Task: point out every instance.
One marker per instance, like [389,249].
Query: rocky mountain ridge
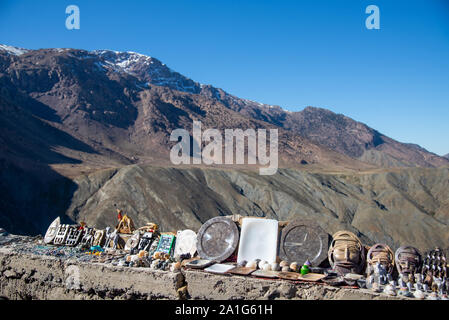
[81,131]
[117,99]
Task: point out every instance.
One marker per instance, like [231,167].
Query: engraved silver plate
[52,230]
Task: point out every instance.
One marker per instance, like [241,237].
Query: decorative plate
[217,239]
[304,239]
[185,243]
[52,230]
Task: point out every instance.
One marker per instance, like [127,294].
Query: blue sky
[288,53]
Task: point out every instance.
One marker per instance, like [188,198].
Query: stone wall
[42,277]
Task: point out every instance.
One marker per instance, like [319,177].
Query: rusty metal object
[346,253]
[217,239]
[408,260]
[380,253]
[303,240]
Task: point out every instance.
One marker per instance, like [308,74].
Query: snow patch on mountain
[13,50]
[147,69]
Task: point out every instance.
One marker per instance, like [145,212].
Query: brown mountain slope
[357,140]
[409,206]
[118,112]
[103,119]
[123,101]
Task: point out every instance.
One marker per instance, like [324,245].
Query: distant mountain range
[446,156]
[103,108]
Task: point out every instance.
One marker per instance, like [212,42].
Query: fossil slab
[303,239]
[258,240]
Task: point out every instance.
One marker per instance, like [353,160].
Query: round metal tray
[217,239]
[303,239]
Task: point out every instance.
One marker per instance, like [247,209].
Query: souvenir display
[133,242]
[121,240]
[219,268]
[125,225]
[258,240]
[109,237]
[52,230]
[434,274]
[265,274]
[176,266]
[305,269]
[217,239]
[275,266]
[334,280]
[145,241]
[352,278]
[165,244]
[199,263]
[185,243]
[149,227]
[99,238]
[313,277]
[88,237]
[382,254]
[61,234]
[303,240]
[112,240]
[288,275]
[73,236]
[390,289]
[380,266]
[153,246]
[242,271]
[408,260]
[346,253]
